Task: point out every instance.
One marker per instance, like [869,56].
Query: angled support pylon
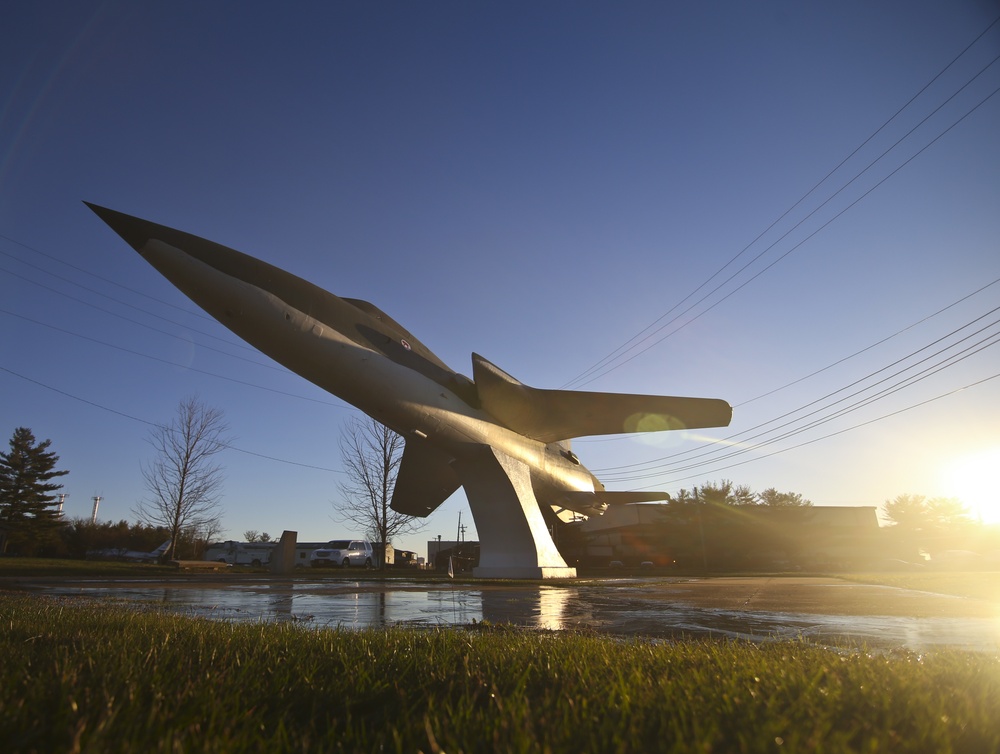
[514,541]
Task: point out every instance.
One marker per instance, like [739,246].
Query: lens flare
[973,480]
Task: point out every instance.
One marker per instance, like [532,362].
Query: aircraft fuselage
[364,358]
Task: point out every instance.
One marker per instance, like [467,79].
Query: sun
[973,480]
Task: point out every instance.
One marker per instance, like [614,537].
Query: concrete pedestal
[514,542]
[283,557]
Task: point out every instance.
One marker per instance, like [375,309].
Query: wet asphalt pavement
[824,611]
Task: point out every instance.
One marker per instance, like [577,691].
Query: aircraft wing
[426,479]
[624,497]
[553,415]
[595,503]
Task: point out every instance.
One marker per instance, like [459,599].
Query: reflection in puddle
[602,608]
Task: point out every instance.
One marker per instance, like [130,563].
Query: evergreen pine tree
[29,512]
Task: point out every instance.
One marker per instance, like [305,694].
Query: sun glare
[973,480]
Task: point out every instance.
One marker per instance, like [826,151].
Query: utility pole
[97,501]
[458,534]
[62,500]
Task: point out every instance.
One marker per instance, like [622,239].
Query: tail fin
[553,415]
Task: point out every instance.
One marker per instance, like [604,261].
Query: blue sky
[538,183]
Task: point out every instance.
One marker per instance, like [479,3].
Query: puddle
[621,609]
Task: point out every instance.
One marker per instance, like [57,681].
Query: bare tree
[206,535]
[184,481]
[371,455]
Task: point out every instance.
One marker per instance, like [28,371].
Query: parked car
[343,552]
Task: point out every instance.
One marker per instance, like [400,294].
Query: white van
[240,553]
[343,552]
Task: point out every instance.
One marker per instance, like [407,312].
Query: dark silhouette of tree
[684,497]
[29,512]
[371,455]
[922,526]
[81,535]
[726,492]
[772,497]
[715,494]
[917,513]
[947,513]
[184,481]
[906,511]
[741,494]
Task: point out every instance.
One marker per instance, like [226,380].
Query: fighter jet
[506,443]
[131,556]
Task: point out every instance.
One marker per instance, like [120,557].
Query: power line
[170,363]
[101,294]
[756,275]
[897,387]
[598,369]
[159,426]
[742,449]
[867,348]
[734,439]
[839,361]
[66,296]
[93,275]
[842,431]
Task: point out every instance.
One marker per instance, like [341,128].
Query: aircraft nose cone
[135,231]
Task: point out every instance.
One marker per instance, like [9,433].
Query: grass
[12,566]
[85,677]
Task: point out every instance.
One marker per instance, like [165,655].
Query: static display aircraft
[506,443]
[130,556]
